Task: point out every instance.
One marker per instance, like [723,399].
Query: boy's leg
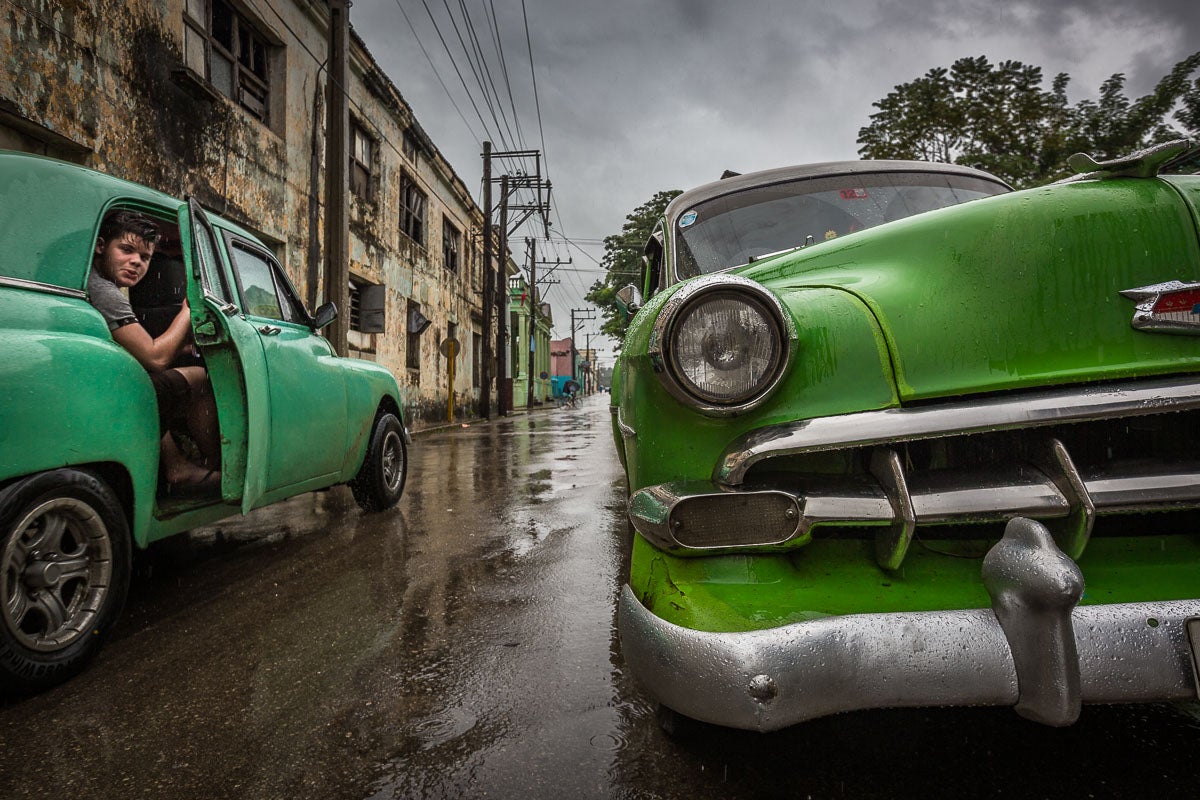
[202,416]
[177,470]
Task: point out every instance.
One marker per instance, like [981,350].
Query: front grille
[1066,475]
[1068,457]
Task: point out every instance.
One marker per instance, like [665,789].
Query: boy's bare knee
[197,377]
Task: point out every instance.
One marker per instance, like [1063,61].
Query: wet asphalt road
[463,645]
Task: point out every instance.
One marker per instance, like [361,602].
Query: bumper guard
[1034,649]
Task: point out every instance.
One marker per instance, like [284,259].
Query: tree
[1001,119]
[623,261]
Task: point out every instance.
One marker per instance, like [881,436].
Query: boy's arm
[156,354]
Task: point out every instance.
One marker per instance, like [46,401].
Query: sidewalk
[433,427]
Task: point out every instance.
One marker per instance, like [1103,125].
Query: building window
[412,210]
[362,149]
[412,354]
[408,148]
[221,44]
[451,245]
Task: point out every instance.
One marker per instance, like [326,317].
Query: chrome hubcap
[393,461]
[55,573]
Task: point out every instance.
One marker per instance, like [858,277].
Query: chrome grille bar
[951,496]
[1030,410]
[996,496]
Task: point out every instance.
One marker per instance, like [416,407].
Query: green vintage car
[898,436]
[79,431]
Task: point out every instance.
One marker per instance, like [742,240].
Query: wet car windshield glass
[738,228]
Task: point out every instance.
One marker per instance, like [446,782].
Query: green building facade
[522,339]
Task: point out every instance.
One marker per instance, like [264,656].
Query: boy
[122,256]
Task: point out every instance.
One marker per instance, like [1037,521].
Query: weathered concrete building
[225,100]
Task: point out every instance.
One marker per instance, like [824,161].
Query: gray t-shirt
[110,301]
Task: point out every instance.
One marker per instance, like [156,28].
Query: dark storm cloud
[1130,37]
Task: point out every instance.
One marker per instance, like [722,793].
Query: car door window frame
[203,271]
[285,293]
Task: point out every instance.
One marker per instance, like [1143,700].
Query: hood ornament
[1143,164]
[1171,307]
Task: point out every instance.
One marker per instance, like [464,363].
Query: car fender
[369,387]
[61,371]
[839,364]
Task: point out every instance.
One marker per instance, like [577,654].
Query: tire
[380,479]
[64,574]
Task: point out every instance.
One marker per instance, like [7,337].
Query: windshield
[738,228]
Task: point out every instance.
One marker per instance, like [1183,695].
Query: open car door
[234,358]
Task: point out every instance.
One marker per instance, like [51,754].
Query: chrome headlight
[722,343]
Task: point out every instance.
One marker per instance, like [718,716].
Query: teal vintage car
[79,431]
[896,435]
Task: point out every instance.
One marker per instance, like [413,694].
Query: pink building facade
[560,357]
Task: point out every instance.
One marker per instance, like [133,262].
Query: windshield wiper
[807,241]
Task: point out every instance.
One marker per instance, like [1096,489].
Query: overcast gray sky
[637,96]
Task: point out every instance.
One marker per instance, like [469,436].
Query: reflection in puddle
[447,725]
[522,539]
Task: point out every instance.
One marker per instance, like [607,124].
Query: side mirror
[629,300]
[324,315]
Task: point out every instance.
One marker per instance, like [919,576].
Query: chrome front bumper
[1035,649]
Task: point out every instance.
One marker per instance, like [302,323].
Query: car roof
[50,213]
[824,169]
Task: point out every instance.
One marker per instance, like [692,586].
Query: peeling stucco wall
[104,78]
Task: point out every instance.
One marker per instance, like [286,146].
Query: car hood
[1014,291]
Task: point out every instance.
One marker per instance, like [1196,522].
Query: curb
[473,421]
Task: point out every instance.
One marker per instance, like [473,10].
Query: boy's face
[125,259]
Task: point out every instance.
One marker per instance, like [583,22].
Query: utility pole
[574,350]
[509,183]
[532,312]
[533,284]
[502,397]
[485,369]
[337,230]
[591,363]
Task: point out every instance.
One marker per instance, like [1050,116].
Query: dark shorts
[173,393]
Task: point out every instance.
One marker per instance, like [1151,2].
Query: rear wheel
[64,574]
[380,480]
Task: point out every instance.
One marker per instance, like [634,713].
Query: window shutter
[372,298]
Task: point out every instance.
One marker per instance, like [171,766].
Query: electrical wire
[476,72]
[491,83]
[499,45]
[575,278]
[457,71]
[436,74]
[537,103]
